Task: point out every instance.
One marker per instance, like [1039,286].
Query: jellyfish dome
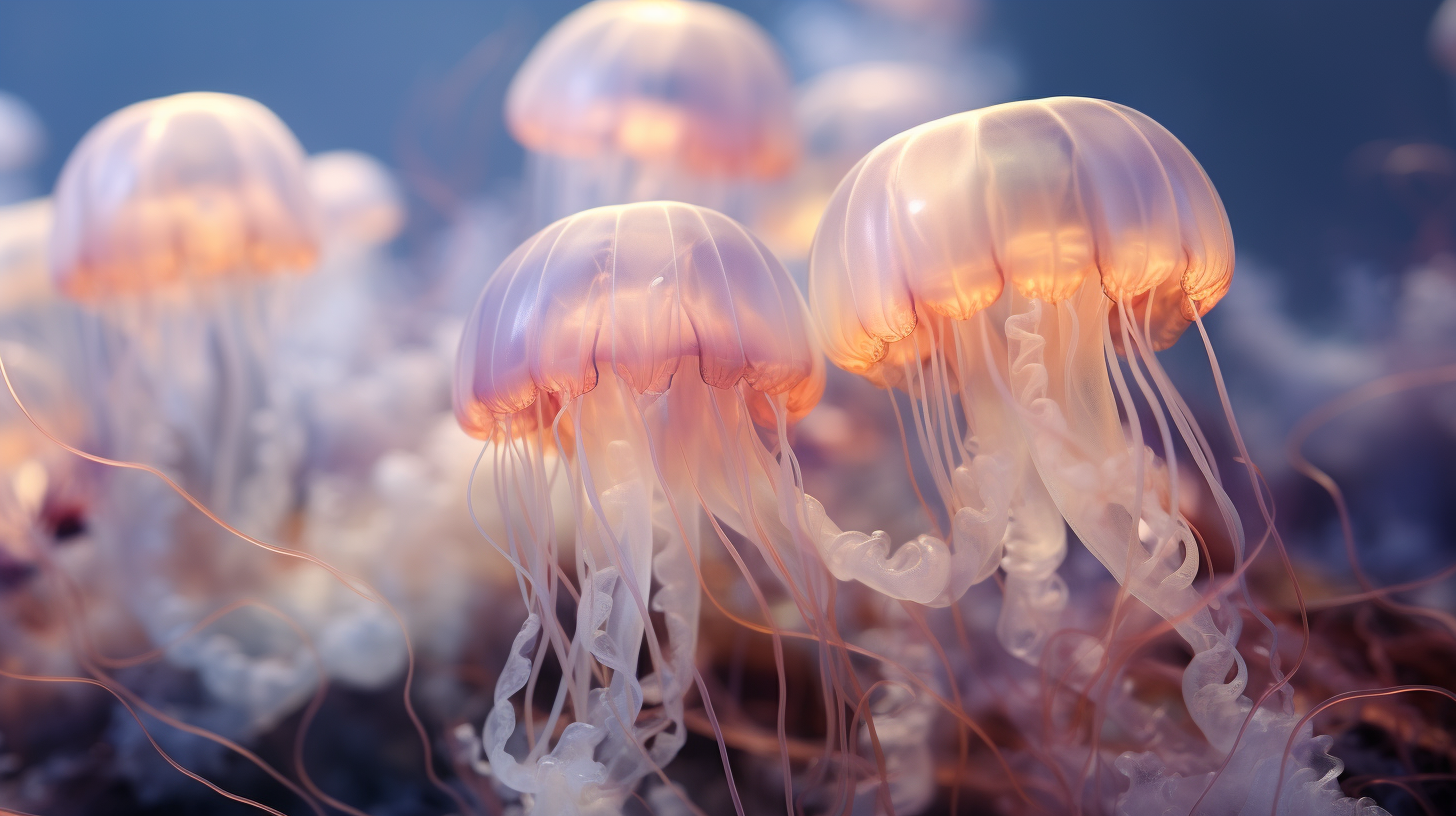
[182,188]
[1003,266]
[22,141]
[638,99]
[358,199]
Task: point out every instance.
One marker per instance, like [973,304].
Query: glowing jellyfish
[22,141]
[1110,236]
[168,216]
[655,352]
[634,100]
[995,264]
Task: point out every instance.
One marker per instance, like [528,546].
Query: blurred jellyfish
[843,114]
[175,219]
[335,324]
[1443,36]
[170,216]
[25,282]
[822,35]
[359,201]
[1112,241]
[22,141]
[655,353]
[634,100]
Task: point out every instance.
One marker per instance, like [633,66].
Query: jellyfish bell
[1442,36]
[180,190]
[358,200]
[22,142]
[631,100]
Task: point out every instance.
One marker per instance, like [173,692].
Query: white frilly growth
[905,717]
[1310,786]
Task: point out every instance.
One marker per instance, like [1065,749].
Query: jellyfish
[1014,269]
[22,141]
[170,217]
[842,114]
[176,221]
[655,353]
[1443,37]
[634,100]
[358,199]
[336,320]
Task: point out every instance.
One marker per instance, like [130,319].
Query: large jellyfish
[653,355]
[995,265]
[633,100]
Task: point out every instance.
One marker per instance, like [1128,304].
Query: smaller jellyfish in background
[1443,36]
[177,222]
[22,142]
[171,217]
[46,501]
[844,113]
[335,324]
[635,100]
[359,202]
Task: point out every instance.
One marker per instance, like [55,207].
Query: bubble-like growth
[995,264]
[631,100]
[358,200]
[181,189]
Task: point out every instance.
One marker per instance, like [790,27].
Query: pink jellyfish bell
[633,100]
[992,264]
[169,217]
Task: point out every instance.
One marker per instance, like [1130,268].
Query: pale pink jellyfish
[22,142]
[994,264]
[177,222]
[634,100]
[1014,269]
[170,216]
[359,202]
[652,354]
